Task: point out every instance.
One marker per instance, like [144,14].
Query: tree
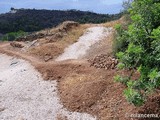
[126,5]
[143,51]
[12,8]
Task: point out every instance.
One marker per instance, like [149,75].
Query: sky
[98,6]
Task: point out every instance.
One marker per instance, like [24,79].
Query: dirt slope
[82,88]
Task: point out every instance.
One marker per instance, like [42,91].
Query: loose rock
[104,61]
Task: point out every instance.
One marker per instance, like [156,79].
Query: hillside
[72,58]
[82,68]
[30,20]
[65,60]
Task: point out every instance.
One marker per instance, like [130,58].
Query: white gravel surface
[24,95]
[79,49]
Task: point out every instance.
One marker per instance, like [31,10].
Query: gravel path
[79,49]
[24,95]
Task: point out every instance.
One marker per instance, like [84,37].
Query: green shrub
[122,80]
[119,43]
[134,97]
[13,35]
[142,51]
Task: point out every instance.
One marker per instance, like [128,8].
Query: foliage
[120,41]
[13,35]
[122,80]
[126,5]
[30,20]
[143,50]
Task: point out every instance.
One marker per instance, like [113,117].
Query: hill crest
[30,20]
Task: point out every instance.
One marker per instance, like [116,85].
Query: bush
[119,44]
[143,49]
[13,35]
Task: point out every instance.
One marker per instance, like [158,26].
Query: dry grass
[72,36]
[72,79]
[47,49]
[113,23]
[112,38]
[56,48]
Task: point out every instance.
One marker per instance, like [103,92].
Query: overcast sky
[98,6]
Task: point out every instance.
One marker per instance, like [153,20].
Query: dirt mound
[58,71]
[88,94]
[104,61]
[48,48]
[152,106]
[67,25]
[51,34]
[46,52]
[31,37]
[16,44]
[60,31]
[93,91]
[76,77]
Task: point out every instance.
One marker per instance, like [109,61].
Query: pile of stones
[104,61]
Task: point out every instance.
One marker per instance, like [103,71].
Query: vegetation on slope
[30,20]
[13,35]
[142,51]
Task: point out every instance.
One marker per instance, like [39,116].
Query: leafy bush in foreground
[143,50]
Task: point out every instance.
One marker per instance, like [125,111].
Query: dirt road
[79,49]
[25,95]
